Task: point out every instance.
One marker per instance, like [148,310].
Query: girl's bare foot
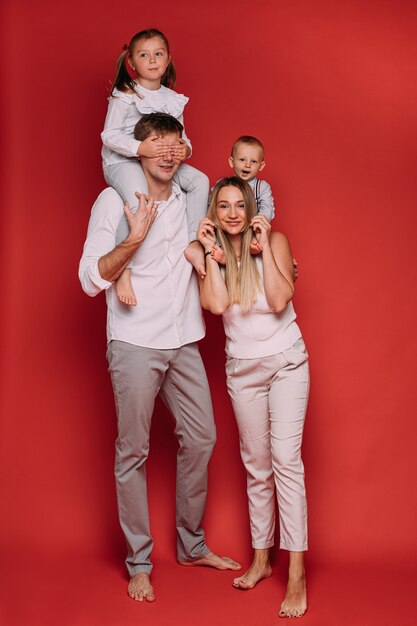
[218,255]
[260,569]
[214,560]
[140,588]
[194,253]
[295,601]
[124,289]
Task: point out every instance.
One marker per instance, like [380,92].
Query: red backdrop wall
[330,88]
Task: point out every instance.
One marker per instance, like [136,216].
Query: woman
[267,376]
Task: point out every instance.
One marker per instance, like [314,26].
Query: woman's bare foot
[194,253]
[140,588]
[214,560]
[295,601]
[218,255]
[260,569]
[124,289]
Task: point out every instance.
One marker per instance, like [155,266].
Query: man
[152,349]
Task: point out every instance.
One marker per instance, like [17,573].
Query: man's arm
[112,264]
[101,261]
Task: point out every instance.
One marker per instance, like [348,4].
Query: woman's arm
[277,264]
[213,292]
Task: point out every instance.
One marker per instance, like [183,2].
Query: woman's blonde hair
[243,281]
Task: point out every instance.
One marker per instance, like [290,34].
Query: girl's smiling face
[150,59]
[231,210]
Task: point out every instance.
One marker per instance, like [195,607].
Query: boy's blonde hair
[243,281]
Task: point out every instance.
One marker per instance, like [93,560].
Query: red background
[330,88]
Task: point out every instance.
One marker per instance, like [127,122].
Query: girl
[267,376]
[144,74]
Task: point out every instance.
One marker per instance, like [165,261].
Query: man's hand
[112,264]
[141,221]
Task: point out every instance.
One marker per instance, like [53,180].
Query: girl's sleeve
[114,135]
[184,136]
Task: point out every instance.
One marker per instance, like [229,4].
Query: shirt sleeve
[101,239]
[114,135]
[184,136]
[266,201]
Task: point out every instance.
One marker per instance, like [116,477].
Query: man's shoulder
[109,197]
[108,203]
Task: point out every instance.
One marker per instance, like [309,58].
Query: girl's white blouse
[126,109]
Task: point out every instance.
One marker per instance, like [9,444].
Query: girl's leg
[196,186]
[248,389]
[127,178]
[287,404]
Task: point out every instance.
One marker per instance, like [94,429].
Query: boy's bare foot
[124,289]
[214,560]
[295,601]
[255,247]
[194,253]
[218,254]
[140,588]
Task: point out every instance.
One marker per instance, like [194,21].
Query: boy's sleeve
[266,201]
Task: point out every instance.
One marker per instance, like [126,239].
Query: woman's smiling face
[231,210]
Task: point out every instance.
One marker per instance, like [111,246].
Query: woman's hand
[262,229]
[205,234]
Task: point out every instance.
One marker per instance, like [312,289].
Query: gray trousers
[127,177]
[138,375]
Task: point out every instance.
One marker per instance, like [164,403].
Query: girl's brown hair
[123,81]
[242,280]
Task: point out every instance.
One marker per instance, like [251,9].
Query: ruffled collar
[162,100]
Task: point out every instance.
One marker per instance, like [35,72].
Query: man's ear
[262,166]
[231,161]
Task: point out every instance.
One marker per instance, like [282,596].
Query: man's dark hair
[159,123]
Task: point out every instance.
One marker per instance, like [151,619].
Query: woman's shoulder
[278,239]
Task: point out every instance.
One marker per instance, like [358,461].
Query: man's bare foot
[218,255]
[194,253]
[255,247]
[295,601]
[124,289]
[140,588]
[214,560]
[260,569]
